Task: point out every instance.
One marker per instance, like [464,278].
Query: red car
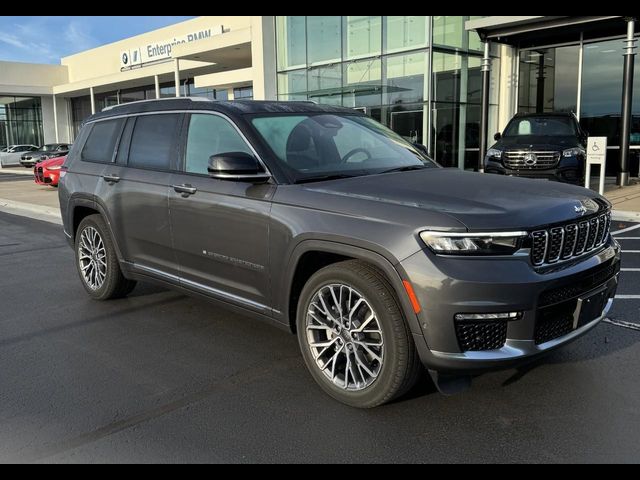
[48,172]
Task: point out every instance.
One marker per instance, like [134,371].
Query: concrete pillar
[157,84]
[93,100]
[176,75]
[55,118]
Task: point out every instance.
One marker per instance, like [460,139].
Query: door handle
[186,190]
[111,178]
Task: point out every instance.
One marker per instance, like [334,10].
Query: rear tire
[97,262]
[364,333]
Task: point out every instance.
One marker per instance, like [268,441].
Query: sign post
[596,155]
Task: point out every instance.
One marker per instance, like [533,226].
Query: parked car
[10,156]
[48,172]
[29,160]
[321,221]
[542,145]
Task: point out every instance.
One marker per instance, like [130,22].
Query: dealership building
[448,82]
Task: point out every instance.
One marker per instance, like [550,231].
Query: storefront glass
[549,80]
[381,66]
[21,121]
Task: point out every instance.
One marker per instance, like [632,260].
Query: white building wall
[48,124]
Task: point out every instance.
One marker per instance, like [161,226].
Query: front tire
[97,261]
[353,336]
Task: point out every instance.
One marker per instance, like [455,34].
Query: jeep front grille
[518,160]
[565,242]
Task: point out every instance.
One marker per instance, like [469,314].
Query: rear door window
[153,141]
[102,140]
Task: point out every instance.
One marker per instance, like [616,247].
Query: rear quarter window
[101,143]
[153,141]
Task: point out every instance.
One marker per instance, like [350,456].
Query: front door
[220,227]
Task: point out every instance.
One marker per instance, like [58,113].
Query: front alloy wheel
[345,338]
[353,335]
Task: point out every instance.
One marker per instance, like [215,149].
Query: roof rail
[193,99]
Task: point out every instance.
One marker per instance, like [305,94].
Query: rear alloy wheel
[97,262]
[353,336]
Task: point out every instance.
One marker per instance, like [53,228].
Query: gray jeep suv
[322,221]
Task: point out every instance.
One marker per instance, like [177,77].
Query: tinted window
[152,141]
[542,126]
[102,141]
[211,135]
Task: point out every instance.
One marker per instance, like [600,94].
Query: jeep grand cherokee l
[540,145]
[322,221]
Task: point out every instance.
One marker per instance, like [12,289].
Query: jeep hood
[479,201]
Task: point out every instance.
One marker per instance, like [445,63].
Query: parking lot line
[630,269]
[628,238]
[619,232]
[627,297]
[630,251]
[618,323]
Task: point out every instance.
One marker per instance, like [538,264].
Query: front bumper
[29,163]
[447,286]
[42,176]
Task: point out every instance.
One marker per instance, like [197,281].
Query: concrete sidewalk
[626,201]
[17,171]
[30,200]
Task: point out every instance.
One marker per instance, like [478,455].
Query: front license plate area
[590,308]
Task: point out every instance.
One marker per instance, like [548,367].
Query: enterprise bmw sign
[152,52]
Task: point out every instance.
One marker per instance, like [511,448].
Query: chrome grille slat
[571,240]
[515,159]
[562,243]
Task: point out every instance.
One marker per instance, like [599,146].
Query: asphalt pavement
[162,377]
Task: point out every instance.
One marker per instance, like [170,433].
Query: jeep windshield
[317,147]
[541,127]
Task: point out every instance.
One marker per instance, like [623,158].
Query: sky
[47,39]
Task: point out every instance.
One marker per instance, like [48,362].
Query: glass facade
[586,79]
[419,75]
[21,121]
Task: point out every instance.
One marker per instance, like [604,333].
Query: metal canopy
[531,30]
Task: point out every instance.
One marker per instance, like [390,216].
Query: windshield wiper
[408,168]
[322,178]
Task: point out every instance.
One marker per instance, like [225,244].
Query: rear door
[136,191]
[221,228]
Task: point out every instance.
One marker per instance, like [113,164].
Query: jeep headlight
[494,154]
[574,152]
[494,243]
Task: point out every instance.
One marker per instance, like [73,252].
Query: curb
[16,171]
[622,216]
[37,212]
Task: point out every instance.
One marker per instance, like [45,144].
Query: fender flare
[89,201]
[393,273]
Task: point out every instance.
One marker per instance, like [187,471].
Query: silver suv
[325,223]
